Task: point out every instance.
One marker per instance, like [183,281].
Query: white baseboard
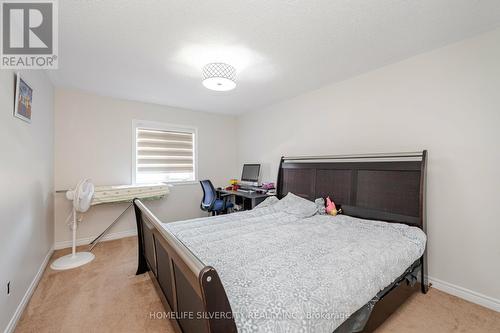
[468,295]
[87,240]
[27,296]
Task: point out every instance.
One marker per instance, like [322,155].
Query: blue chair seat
[220,204]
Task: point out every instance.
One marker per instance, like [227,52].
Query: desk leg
[247,203]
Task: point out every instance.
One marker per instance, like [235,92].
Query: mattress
[284,271]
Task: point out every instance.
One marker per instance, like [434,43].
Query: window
[163,153]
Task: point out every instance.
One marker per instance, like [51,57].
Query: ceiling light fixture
[219,76]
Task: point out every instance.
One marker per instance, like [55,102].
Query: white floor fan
[82,198]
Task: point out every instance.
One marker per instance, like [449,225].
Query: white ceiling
[153,50]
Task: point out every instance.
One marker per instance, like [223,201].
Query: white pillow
[296,205]
[272,200]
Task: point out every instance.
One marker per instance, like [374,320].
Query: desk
[245,199]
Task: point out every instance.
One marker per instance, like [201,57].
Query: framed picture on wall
[23,99]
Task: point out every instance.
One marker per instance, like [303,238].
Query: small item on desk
[268,186]
[233,185]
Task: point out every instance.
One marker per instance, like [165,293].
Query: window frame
[160,126]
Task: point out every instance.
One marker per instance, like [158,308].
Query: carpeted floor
[106,296]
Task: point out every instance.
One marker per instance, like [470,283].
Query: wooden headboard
[386,187]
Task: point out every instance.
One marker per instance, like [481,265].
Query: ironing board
[125,194]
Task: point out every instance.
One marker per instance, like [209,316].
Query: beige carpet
[106,296]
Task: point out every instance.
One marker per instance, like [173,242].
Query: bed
[283,267]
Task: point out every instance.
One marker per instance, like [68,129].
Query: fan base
[72,261]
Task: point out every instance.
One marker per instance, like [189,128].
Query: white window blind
[164,155]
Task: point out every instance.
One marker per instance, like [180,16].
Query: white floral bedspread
[286,272]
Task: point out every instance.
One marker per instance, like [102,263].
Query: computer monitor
[250,174]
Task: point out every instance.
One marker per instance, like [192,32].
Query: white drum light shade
[219,76]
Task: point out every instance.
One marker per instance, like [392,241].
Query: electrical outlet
[8,288]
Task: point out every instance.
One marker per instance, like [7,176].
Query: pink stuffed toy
[330,207]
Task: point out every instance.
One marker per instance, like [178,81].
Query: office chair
[210,203]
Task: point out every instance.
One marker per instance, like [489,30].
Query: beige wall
[26,180]
[93,138]
[446,101]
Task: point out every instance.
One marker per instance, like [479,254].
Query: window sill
[189,182]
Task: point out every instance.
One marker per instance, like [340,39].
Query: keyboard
[247,189]
[244,190]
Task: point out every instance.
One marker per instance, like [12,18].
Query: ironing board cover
[126,193]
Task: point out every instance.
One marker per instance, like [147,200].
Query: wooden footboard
[190,290]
